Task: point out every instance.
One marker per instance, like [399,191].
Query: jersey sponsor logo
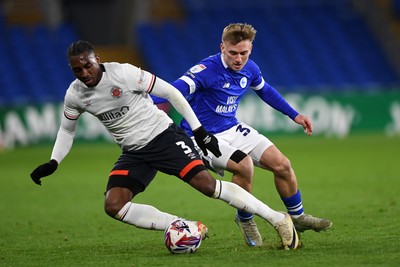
[198,68]
[243,82]
[226,109]
[116,92]
[231,105]
[231,99]
[114,114]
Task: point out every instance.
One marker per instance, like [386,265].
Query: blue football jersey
[216,90]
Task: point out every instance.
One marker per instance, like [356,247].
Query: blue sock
[294,204]
[244,216]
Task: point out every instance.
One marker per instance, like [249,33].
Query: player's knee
[204,183]
[208,188]
[246,167]
[284,167]
[113,206]
[209,191]
[116,198]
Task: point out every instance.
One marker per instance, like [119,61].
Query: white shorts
[240,137]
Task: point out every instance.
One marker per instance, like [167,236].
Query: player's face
[86,68]
[236,56]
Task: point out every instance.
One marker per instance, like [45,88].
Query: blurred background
[337,61]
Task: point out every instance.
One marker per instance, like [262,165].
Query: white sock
[239,198]
[145,216]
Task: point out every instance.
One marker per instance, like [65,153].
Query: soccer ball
[183,236]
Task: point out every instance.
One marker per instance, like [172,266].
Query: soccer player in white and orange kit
[118,95]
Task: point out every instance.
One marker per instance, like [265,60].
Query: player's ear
[97,58]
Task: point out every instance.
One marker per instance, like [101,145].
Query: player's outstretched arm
[273,98]
[62,146]
[179,84]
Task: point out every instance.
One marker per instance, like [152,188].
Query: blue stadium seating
[308,45]
[33,65]
[312,45]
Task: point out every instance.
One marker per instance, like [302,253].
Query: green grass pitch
[353,181]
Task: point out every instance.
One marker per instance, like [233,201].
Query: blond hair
[237,32]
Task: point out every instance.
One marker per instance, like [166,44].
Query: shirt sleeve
[137,79]
[175,97]
[65,138]
[273,98]
[269,94]
[179,84]
[66,132]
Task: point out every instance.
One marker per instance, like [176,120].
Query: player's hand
[205,141]
[44,170]
[305,122]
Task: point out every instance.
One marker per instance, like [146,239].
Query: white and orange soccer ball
[184,236]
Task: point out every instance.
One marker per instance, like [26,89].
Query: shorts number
[186,149]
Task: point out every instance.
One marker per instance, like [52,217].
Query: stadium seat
[34,65]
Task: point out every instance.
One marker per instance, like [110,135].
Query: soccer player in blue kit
[214,88]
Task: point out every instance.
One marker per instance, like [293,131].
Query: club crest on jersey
[197,68]
[116,92]
[243,82]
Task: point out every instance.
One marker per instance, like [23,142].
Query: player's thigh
[176,155]
[241,136]
[131,172]
[125,181]
[116,198]
[273,159]
[226,153]
[204,183]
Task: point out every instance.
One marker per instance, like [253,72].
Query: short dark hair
[79,47]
